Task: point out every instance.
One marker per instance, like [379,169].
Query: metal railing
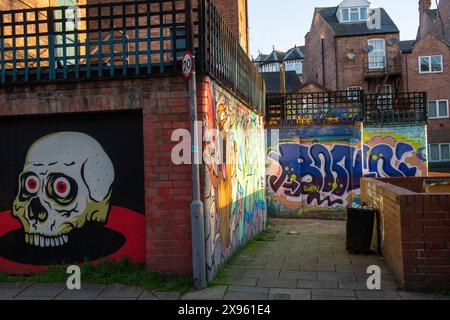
[223,57]
[122,39]
[315,107]
[346,107]
[382,66]
[399,108]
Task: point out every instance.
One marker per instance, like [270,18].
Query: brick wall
[376,196]
[164,103]
[436,84]
[416,227]
[351,72]
[316,70]
[235,14]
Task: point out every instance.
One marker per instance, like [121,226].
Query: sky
[284,23]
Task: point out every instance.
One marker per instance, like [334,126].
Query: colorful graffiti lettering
[235,176]
[324,174]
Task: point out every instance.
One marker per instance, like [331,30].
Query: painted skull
[66,181]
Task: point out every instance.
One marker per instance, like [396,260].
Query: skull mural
[66,182]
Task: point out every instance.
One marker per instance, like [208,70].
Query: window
[299,68]
[439,152]
[345,15]
[377,57]
[438,109]
[431,64]
[363,13]
[354,14]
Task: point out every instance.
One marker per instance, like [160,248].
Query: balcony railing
[399,108]
[126,39]
[346,107]
[382,66]
[316,107]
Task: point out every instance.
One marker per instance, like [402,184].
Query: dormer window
[354,14]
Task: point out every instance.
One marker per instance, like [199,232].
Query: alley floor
[293,260]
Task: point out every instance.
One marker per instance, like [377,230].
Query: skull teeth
[46,242]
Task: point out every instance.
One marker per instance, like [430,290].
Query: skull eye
[61,187]
[32,184]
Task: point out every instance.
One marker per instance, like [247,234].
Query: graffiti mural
[395,152]
[64,194]
[313,170]
[235,191]
[65,183]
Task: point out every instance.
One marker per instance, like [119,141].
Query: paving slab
[317,284]
[277,283]
[148,296]
[261,273]
[377,295]
[337,276]
[299,275]
[250,290]
[212,293]
[331,298]
[45,290]
[317,267]
[332,293]
[84,294]
[32,298]
[120,291]
[170,296]
[240,296]
[293,294]
[9,294]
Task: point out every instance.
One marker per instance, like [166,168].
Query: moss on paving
[109,272]
[253,246]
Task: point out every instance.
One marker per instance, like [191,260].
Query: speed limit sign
[187,65]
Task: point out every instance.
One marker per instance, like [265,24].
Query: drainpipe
[283,78]
[197,210]
[323,62]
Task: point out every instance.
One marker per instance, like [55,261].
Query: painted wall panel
[234,191]
[314,170]
[70,191]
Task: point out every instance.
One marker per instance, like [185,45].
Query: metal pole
[197,210]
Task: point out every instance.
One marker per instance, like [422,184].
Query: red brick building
[426,64]
[343,51]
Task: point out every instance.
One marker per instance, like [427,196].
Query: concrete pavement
[295,260]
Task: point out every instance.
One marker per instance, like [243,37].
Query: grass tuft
[109,272]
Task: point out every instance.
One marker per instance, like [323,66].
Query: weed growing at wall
[109,272]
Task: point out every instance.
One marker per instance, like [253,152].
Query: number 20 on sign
[187,65]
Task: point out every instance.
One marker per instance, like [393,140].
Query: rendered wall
[234,177]
[316,170]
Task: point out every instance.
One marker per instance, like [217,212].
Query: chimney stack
[424,5]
